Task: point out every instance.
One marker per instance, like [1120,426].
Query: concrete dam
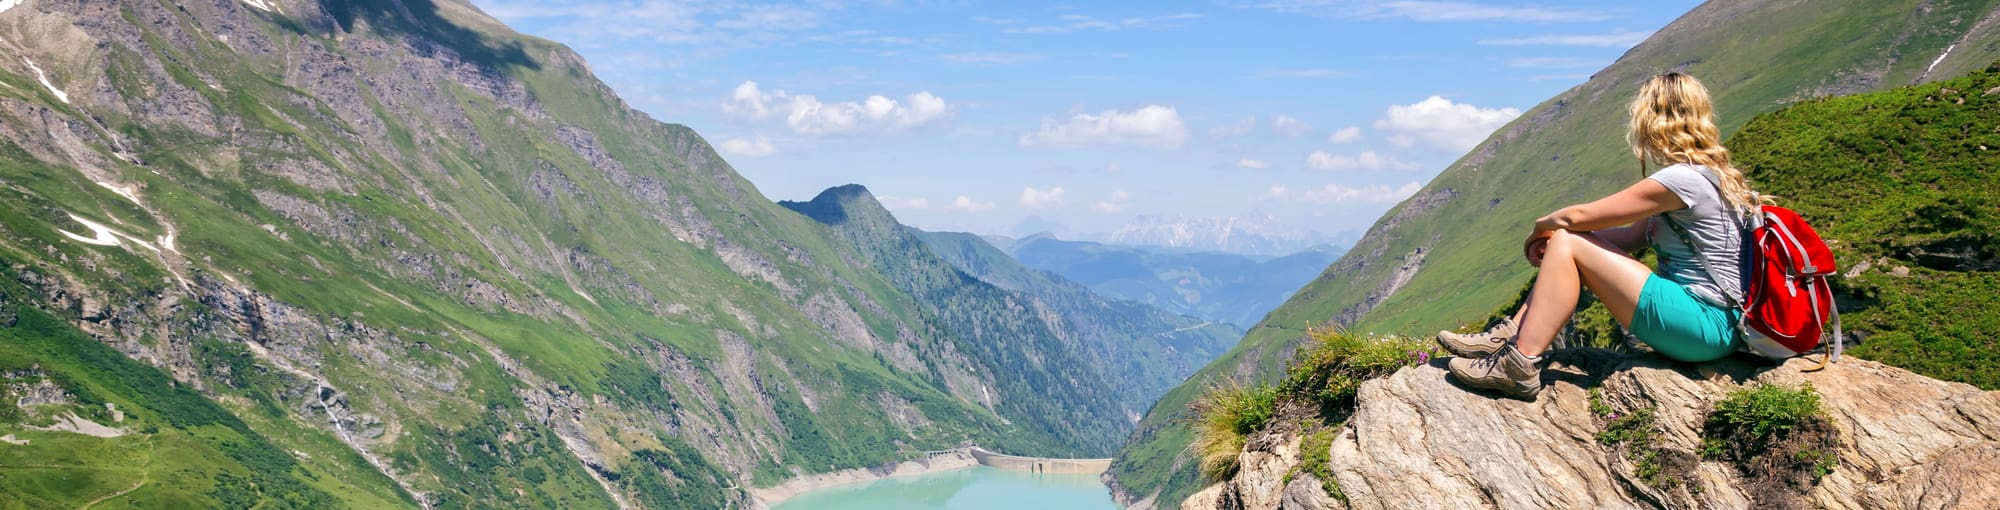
[1039,464]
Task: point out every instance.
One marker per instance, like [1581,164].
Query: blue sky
[968,115]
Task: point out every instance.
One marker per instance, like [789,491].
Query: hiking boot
[1479,345]
[1507,371]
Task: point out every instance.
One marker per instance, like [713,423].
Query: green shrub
[1330,368]
[1223,416]
[1779,438]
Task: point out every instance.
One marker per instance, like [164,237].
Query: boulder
[1417,440]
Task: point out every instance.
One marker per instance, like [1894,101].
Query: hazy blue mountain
[1227,287]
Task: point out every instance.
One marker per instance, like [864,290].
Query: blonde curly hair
[1673,122]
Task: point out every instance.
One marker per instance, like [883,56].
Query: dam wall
[1040,464]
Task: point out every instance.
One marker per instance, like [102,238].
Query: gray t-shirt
[1708,220]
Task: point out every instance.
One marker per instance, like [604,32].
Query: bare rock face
[1416,440]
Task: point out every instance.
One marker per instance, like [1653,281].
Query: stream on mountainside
[977,488]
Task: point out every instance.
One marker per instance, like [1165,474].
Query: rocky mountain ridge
[377,254]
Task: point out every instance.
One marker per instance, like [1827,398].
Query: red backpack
[1786,299]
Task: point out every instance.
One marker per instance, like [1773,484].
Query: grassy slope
[1901,179]
[423,202]
[1755,57]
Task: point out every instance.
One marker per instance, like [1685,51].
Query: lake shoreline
[766,497]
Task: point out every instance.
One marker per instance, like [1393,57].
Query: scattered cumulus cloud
[1366,160]
[807,115]
[1338,194]
[1344,135]
[1153,125]
[1118,202]
[1278,191]
[1619,39]
[756,148]
[1428,11]
[1288,126]
[1036,198]
[1252,163]
[967,204]
[1442,124]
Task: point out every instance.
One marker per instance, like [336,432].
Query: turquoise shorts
[1681,326]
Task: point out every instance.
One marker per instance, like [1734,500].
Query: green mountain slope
[1146,349]
[1430,262]
[1226,287]
[424,260]
[1901,183]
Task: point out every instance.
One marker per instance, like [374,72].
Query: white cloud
[1288,126]
[1036,198]
[1619,39]
[1442,124]
[991,57]
[1417,10]
[1335,194]
[806,115]
[898,204]
[1367,160]
[1278,191]
[757,148]
[1240,128]
[1117,203]
[1252,163]
[965,203]
[1344,135]
[1154,125]
[1555,63]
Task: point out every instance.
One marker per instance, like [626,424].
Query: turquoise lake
[979,488]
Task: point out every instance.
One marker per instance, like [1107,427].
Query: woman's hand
[1536,246]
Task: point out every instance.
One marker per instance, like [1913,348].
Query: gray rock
[1418,441]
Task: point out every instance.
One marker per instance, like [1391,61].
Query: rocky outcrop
[1416,440]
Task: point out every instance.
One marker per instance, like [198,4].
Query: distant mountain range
[1252,234]
[1226,287]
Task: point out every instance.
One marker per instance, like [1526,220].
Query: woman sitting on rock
[1679,309]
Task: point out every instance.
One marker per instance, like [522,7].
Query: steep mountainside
[1227,287]
[1149,350]
[1900,180]
[1422,266]
[391,253]
[1062,365]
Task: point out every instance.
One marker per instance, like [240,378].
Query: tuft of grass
[1316,457]
[1223,416]
[1636,435]
[1330,368]
[1778,437]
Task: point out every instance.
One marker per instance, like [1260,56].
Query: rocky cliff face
[394,244]
[1416,440]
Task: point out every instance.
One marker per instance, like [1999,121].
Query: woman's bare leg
[1573,262]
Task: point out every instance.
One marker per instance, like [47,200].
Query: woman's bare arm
[1636,202]
[1630,238]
